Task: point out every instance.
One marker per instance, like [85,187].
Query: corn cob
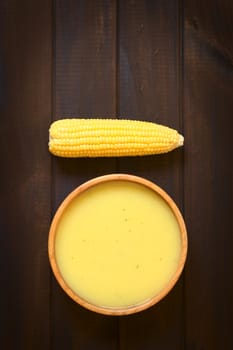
[110,138]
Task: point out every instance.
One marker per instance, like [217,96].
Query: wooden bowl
[129,309]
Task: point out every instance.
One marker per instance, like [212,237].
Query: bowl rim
[117,311]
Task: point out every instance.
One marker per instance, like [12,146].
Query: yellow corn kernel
[110,138]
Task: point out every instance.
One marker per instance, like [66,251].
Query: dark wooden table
[168,61]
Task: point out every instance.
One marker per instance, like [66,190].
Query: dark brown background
[168,61]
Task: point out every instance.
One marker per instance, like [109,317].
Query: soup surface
[117,244]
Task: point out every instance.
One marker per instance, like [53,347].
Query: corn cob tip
[180,140]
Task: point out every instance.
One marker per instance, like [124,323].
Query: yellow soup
[117,244]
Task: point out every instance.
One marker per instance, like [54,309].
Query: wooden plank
[84,87]
[149,53]
[25,108]
[149,89]
[208,87]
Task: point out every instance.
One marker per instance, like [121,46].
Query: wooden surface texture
[167,61]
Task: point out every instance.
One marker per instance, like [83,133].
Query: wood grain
[208,105]
[148,89]
[25,107]
[165,61]
[84,85]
